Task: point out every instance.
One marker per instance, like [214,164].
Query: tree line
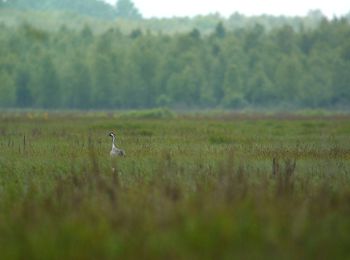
[95,8]
[245,67]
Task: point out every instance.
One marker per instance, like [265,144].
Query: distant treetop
[126,9]
[95,8]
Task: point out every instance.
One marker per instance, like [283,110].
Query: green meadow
[193,186]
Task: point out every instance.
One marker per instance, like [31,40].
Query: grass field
[190,187]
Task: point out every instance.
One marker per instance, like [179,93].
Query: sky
[161,8]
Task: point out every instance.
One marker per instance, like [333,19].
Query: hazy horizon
[161,9]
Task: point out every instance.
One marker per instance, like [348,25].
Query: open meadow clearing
[189,187]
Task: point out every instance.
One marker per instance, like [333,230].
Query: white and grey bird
[115,150]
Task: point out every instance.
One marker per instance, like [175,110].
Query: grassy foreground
[189,188]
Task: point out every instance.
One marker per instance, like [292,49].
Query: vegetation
[51,58]
[248,67]
[225,186]
[94,8]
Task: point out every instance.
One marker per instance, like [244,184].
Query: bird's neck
[113,141]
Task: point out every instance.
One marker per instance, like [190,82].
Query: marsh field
[230,186]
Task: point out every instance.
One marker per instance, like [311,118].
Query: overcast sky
[161,8]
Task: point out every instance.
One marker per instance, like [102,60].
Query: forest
[298,63]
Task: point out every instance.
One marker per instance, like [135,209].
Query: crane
[115,150]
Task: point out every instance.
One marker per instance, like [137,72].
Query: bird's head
[111,134]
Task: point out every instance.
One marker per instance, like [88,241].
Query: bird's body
[115,150]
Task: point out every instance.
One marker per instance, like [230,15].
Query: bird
[115,150]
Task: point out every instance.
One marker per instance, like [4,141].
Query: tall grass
[188,188]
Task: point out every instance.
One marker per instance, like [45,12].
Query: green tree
[127,10]
[233,85]
[24,98]
[102,82]
[49,86]
[288,79]
[340,82]
[259,89]
[316,90]
[146,64]
[95,8]
[7,90]
[253,38]
[220,30]
[285,39]
[79,83]
[87,34]
[217,78]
